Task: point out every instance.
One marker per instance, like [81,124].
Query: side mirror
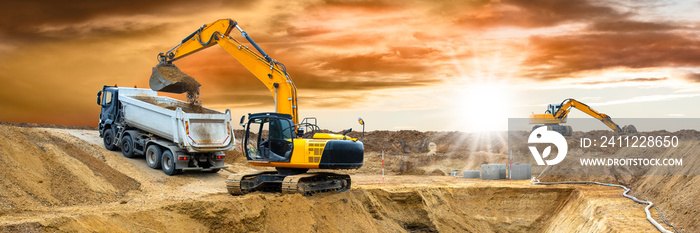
[242,123]
[99,98]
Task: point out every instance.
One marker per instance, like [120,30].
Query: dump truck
[173,135]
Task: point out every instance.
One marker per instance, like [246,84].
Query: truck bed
[192,128]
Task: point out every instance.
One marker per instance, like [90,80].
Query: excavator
[272,139]
[557,114]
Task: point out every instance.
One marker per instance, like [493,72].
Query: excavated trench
[448,209]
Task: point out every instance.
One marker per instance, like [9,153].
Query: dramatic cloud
[26,21]
[693,77]
[624,81]
[341,54]
[534,14]
[626,25]
[560,56]
[374,62]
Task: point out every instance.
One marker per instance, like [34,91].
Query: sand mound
[48,168]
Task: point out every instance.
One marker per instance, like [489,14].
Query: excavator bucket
[169,78]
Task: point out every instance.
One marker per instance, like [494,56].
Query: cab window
[107,99]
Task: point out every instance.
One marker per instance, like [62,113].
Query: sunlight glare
[483,107]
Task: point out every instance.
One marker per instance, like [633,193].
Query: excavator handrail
[269,71]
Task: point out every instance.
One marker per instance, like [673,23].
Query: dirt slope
[46,169]
[675,195]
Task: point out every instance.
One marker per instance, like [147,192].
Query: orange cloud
[559,56]
[54,56]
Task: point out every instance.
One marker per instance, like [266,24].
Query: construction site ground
[58,179]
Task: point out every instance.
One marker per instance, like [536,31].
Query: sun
[483,107]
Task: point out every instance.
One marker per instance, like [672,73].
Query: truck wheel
[168,163]
[108,139]
[128,146]
[153,156]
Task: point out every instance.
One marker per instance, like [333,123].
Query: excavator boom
[568,104]
[270,72]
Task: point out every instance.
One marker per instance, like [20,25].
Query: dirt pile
[186,107]
[43,125]
[189,84]
[177,81]
[40,168]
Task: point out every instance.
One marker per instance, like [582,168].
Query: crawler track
[306,184]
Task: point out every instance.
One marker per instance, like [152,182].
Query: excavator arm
[270,72]
[568,104]
[557,114]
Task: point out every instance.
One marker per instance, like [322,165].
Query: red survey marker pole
[382,167]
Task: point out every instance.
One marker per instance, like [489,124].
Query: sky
[400,65]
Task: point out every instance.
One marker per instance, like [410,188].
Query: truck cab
[108,101]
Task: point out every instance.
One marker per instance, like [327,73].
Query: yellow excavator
[557,114]
[274,139]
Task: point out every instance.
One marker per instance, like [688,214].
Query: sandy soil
[63,180]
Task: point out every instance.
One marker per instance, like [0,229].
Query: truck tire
[168,163]
[128,146]
[153,156]
[108,139]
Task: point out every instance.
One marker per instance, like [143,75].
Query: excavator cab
[269,137]
[553,108]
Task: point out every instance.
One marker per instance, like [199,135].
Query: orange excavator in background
[557,114]
[274,139]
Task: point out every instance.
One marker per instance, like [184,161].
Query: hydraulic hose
[625,194]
